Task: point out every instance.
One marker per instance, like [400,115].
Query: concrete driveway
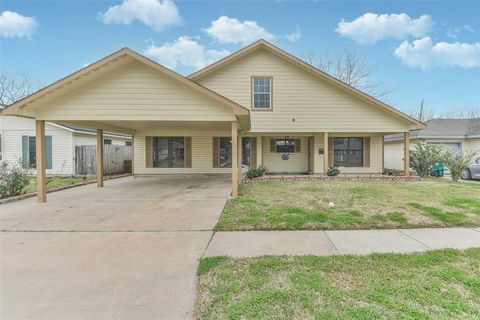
[127,251]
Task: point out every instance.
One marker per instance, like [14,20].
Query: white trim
[270,79]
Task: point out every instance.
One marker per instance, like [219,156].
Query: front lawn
[434,285]
[360,204]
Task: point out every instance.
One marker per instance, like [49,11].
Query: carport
[126,92]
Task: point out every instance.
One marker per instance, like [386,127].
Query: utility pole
[420,116]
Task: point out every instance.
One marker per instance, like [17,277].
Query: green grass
[57,182]
[440,284]
[294,205]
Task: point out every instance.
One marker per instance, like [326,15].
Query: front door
[169,152]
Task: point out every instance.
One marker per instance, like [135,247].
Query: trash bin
[437,170]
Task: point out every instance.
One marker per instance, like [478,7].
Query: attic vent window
[262,93]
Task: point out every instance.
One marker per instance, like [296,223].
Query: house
[259,105]
[456,134]
[17,141]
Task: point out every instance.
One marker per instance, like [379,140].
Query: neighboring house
[259,105]
[456,134]
[17,141]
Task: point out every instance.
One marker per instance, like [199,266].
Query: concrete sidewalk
[257,243]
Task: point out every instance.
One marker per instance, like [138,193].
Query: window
[262,93]
[225,153]
[285,145]
[348,152]
[246,151]
[168,152]
[32,152]
[29,152]
[107,141]
[128,143]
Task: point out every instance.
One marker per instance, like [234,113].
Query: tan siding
[133,92]
[317,157]
[202,144]
[315,105]
[472,144]
[297,163]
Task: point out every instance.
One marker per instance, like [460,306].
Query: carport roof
[15,108]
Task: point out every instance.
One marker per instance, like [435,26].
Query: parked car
[473,170]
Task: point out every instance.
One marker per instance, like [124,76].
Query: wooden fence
[113,159]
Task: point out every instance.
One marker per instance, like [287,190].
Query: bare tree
[464,113]
[423,113]
[351,68]
[15,87]
[427,113]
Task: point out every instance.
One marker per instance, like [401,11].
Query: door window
[168,152]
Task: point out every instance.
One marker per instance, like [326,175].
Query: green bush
[333,171]
[255,172]
[14,180]
[457,162]
[424,156]
[127,166]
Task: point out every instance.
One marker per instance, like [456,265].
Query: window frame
[293,145]
[170,147]
[252,89]
[229,141]
[348,150]
[32,152]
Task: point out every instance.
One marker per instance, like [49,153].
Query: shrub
[424,156]
[457,162]
[255,172]
[14,179]
[127,166]
[333,171]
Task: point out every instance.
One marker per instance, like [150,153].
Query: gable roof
[307,67]
[13,109]
[444,129]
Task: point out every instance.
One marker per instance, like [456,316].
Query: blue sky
[428,50]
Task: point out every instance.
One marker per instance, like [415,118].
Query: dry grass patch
[293,205]
[440,284]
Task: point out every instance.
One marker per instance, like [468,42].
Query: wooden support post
[133,154]
[99,158]
[234,159]
[325,153]
[406,153]
[240,153]
[40,157]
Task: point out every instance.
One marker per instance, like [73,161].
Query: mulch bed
[340,177]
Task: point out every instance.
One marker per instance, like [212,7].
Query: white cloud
[425,54]
[156,14]
[371,28]
[14,25]
[454,32]
[184,51]
[295,36]
[231,30]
